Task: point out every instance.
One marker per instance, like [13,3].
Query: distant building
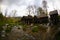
[53,12]
[54,17]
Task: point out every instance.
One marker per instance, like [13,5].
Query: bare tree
[12,13]
[31,9]
[0,5]
[6,12]
[44,3]
[39,11]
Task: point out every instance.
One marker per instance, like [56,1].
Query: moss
[35,29]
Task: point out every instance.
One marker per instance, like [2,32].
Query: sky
[21,5]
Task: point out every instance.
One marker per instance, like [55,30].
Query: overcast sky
[21,5]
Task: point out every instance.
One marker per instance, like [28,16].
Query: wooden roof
[53,12]
[42,15]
